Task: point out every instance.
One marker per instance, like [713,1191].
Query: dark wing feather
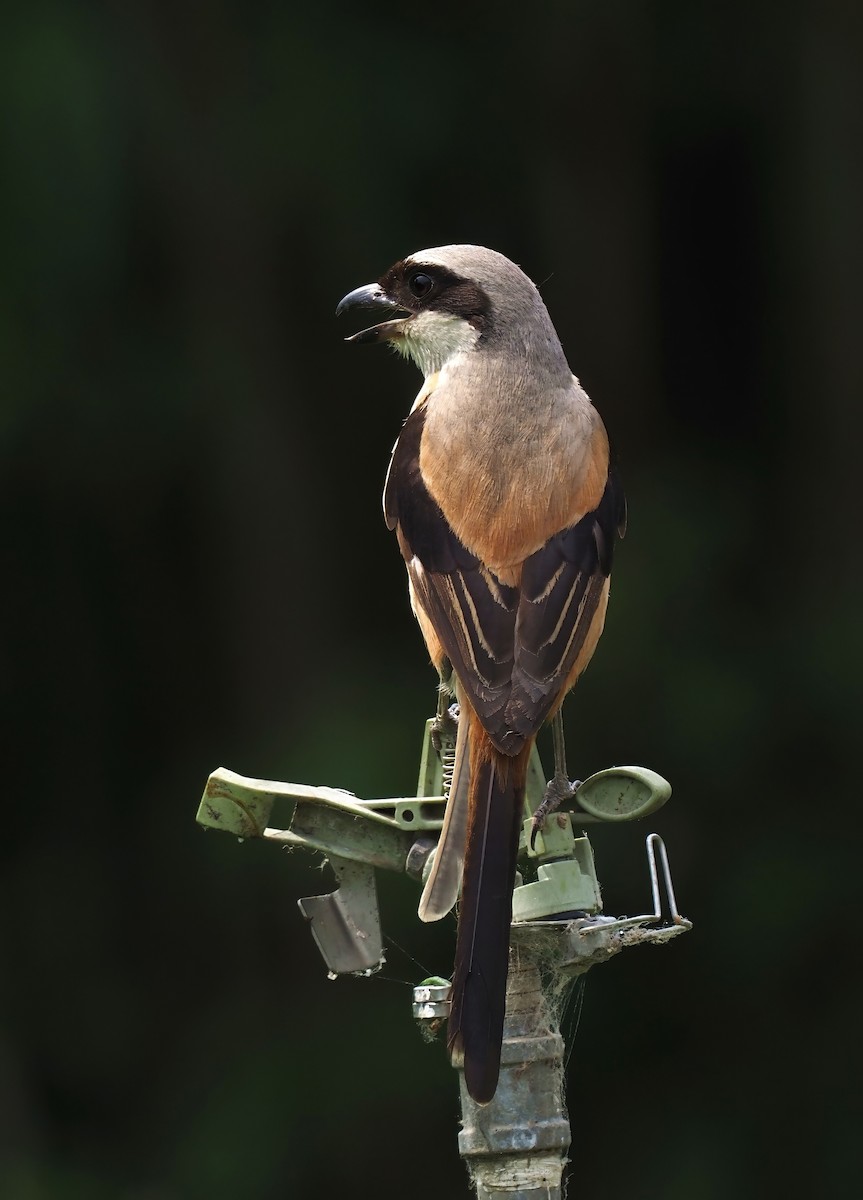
[472,613]
[474,617]
[561,588]
[511,648]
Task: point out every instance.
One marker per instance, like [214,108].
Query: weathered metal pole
[516,1147]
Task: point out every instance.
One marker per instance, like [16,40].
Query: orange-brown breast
[504,501]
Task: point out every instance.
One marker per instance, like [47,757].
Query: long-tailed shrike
[506,508]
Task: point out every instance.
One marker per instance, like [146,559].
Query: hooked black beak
[371,295]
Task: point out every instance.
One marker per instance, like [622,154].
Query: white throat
[432,339]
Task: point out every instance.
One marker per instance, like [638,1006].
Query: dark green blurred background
[196,572]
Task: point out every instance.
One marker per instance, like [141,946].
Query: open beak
[372,295]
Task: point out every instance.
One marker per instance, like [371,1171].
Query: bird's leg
[559,790]
[446,716]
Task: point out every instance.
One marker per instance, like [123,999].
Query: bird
[506,504]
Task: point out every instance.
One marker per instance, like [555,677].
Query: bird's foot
[444,725]
[559,791]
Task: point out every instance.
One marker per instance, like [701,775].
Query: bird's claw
[444,725]
[559,791]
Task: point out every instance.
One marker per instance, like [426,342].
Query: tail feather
[441,890]
[496,797]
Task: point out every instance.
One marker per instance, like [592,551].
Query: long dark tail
[482,948]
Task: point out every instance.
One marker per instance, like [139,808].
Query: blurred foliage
[196,571]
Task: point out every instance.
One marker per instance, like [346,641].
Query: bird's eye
[420,284]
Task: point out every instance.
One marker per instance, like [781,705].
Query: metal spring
[447,762]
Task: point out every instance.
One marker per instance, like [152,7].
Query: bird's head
[451,300]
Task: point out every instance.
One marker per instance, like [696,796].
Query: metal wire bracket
[668,927]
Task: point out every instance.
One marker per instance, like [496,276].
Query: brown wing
[512,648]
[562,588]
